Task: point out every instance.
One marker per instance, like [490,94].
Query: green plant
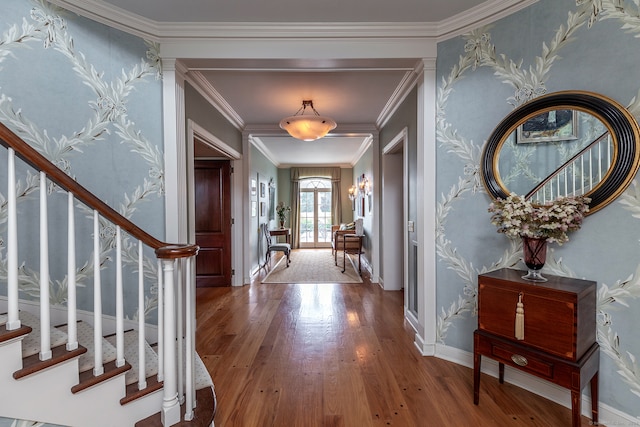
[281,211]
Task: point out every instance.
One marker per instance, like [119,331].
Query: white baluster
[98,369]
[119,302]
[590,170]
[160,323]
[72,318]
[45,313]
[142,375]
[13,321]
[170,413]
[600,161]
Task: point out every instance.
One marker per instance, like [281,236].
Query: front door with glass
[315,213]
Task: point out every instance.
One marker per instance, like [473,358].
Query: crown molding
[483,14]
[204,88]
[123,20]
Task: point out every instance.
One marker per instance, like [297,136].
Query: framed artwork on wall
[254,208]
[254,188]
[263,191]
[263,209]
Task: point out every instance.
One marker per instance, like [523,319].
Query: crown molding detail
[123,20]
[204,87]
[483,14]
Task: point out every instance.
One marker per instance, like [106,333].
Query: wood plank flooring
[340,355]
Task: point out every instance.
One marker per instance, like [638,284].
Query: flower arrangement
[281,211]
[517,217]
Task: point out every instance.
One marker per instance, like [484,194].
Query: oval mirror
[563,144]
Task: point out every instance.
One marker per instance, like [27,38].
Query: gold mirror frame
[625,136]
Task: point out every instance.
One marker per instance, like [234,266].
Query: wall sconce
[365,186]
[353,192]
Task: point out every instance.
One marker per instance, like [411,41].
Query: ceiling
[258,93]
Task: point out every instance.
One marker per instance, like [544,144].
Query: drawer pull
[519,360]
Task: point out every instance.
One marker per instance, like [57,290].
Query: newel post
[170,405]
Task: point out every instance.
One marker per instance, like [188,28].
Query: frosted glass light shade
[308,128]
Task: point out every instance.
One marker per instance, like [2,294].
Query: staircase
[72,367]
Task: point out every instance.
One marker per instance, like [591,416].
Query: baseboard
[607,415]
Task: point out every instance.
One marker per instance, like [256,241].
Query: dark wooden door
[213,222]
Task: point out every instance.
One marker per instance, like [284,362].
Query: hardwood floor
[307,355]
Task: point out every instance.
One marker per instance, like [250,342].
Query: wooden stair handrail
[29,155]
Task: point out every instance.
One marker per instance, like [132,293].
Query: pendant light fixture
[307,127]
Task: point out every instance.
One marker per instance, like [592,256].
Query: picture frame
[263,209]
[549,126]
[254,188]
[263,190]
[254,208]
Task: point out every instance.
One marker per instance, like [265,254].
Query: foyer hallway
[340,355]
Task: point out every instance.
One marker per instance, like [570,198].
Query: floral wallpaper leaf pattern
[46,27]
[480,51]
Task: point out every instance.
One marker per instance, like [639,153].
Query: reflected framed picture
[263,209]
[254,208]
[550,126]
[263,190]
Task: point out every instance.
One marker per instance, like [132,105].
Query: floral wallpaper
[89,98]
[552,45]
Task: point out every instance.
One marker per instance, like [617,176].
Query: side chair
[274,246]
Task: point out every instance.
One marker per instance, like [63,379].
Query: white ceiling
[258,93]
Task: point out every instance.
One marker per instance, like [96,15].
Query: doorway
[396,227]
[204,146]
[315,213]
[212,182]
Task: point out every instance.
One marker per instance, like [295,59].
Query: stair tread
[31,342]
[85,339]
[131,356]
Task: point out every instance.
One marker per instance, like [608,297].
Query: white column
[170,413]
[174,151]
[426,187]
[160,322]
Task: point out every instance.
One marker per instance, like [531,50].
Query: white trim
[483,14]
[173,108]
[607,415]
[404,88]
[124,20]
[390,183]
[209,93]
[426,195]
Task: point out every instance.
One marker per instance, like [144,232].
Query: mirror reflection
[559,152]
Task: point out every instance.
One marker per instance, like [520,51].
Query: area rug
[313,266]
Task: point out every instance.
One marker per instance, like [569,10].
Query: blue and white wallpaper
[550,46]
[89,98]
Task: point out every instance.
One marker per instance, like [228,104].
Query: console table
[352,244]
[554,337]
[282,232]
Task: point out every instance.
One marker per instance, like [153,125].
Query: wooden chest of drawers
[558,340]
[559,315]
